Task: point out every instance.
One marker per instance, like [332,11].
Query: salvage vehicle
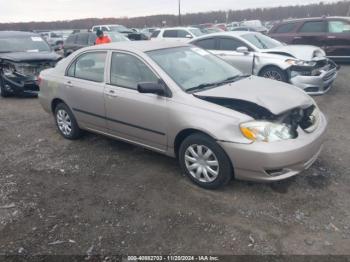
[304,66]
[55,40]
[80,40]
[182,101]
[129,33]
[22,57]
[332,34]
[176,33]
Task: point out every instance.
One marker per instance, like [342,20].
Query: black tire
[275,73]
[224,168]
[75,132]
[3,92]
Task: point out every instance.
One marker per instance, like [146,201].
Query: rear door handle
[331,37]
[69,84]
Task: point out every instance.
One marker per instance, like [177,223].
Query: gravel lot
[100,196]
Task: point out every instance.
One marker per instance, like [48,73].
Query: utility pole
[179,12]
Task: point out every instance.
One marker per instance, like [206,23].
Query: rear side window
[71,39]
[170,33]
[82,39]
[230,44]
[155,34]
[127,71]
[313,27]
[206,43]
[90,66]
[286,28]
[339,26]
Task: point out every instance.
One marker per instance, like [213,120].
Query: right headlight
[264,131]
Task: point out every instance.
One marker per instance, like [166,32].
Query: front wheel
[205,162]
[66,122]
[3,91]
[274,73]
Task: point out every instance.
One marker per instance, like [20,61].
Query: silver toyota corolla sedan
[183,101]
[304,66]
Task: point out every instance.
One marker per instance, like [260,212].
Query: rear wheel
[205,162]
[66,122]
[274,73]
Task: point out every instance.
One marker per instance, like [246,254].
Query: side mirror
[151,88]
[243,50]
[188,36]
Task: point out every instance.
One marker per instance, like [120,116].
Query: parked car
[80,40]
[22,56]
[332,34]
[176,33]
[148,31]
[244,28]
[256,25]
[184,102]
[129,33]
[54,39]
[253,53]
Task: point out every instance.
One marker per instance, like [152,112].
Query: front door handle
[331,37]
[297,37]
[111,93]
[69,84]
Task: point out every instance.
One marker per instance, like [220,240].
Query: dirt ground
[100,196]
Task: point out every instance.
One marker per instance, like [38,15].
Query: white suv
[178,33]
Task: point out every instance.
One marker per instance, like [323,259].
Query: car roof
[179,28]
[314,18]
[139,46]
[16,33]
[231,33]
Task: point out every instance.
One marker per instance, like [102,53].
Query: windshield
[192,68]
[196,32]
[115,37]
[261,41]
[119,28]
[26,43]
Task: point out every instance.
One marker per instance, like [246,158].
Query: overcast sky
[50,10]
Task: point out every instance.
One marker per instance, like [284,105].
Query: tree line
[341,8]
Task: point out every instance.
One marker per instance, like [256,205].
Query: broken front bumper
[316,84]
[17,84]
[268,162]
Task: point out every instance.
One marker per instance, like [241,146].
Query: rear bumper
[315,85]
[21,84]
[268,162]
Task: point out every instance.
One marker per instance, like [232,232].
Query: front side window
[286,28]
[261,41]
[90,66]
[339,26]
[82,39]
[313,27]
[196,32]
[193,67]
[155,34]
[128,71]
[183,34]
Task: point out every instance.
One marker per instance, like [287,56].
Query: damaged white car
[304,66]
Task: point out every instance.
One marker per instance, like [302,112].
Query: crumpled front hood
[277,97]
[30,56]
[302,52]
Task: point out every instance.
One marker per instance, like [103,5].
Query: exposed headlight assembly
[296,62]
[8,69]
[263,131]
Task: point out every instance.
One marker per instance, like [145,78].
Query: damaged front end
[269,127]
[22,77]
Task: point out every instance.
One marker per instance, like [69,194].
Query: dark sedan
[23,56]
[330,33]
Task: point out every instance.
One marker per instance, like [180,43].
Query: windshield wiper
[219,83]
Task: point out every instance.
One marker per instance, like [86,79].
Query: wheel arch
[55,102]
[285,69]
